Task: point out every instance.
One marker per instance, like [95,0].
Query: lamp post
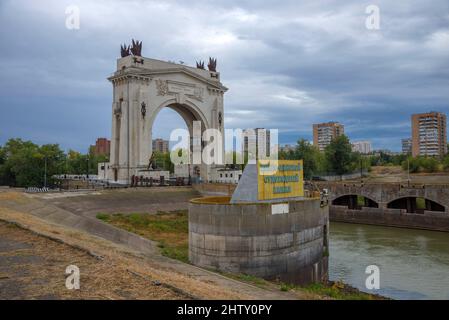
[408,171]
[361,169]
[87,167]
[45,171]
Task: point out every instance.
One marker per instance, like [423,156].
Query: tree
[339,155]
[446,162]
[22,163]
[163,161]
[411,164]
[429,164]
[312,158]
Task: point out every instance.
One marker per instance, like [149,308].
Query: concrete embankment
[428,220]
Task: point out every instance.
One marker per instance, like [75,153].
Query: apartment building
[160,145]
[429,134]
[324,133]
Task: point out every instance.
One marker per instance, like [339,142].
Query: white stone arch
[183,109]
[195,94]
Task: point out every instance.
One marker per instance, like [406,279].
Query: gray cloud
[287,64]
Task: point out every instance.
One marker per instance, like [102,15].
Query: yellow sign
[280,179]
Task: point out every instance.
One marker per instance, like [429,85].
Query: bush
[445,163]
[429,164]
[412,164]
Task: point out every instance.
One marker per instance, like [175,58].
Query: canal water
[414,264]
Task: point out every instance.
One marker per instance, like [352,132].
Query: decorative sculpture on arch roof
[200,64]
[212,66]
[124,50]
[136,48]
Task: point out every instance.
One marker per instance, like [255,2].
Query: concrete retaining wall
[430,220]
[249,239]
[205,189]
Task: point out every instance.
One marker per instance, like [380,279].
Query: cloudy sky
[287,64]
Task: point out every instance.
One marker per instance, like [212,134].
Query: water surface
[414,264]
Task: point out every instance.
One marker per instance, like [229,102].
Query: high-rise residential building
[160,145]
[429,134]
[324,133]
[101,147]
[363,147]
[251,138]
[407,146]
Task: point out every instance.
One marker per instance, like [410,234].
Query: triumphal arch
[141,88]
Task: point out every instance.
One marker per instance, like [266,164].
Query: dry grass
[39,272]
[128,260]
[212,200]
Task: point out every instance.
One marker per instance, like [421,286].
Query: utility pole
[87,167]
[361,173]
[408,171]
[45,171]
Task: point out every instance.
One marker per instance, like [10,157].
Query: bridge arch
[416,204]
[355,201]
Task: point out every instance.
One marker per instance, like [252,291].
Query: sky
[287,64]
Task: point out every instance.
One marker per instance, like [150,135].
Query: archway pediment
[183,73]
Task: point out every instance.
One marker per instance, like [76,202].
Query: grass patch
[420,203]
[335,290]
[103,216]
[258,282]
[169,229]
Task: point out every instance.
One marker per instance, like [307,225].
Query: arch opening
[170,116]
[355,202]
[415,205]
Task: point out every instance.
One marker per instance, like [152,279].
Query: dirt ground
[394,174]
[33,267]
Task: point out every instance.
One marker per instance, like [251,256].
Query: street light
[45,171]
[361,171]
[408,171]
[87,161]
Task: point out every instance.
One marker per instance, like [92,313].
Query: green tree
[412,164]
[163,161]
[313,160]
[429,164]
[22,163]
[445,162]
[339,155]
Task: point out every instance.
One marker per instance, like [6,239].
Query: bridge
[424,206]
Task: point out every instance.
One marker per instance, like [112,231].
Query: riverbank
[170,231]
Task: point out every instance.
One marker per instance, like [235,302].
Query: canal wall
[385,193]
[209,189]
[251,239]
[428,220]
[389,204]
